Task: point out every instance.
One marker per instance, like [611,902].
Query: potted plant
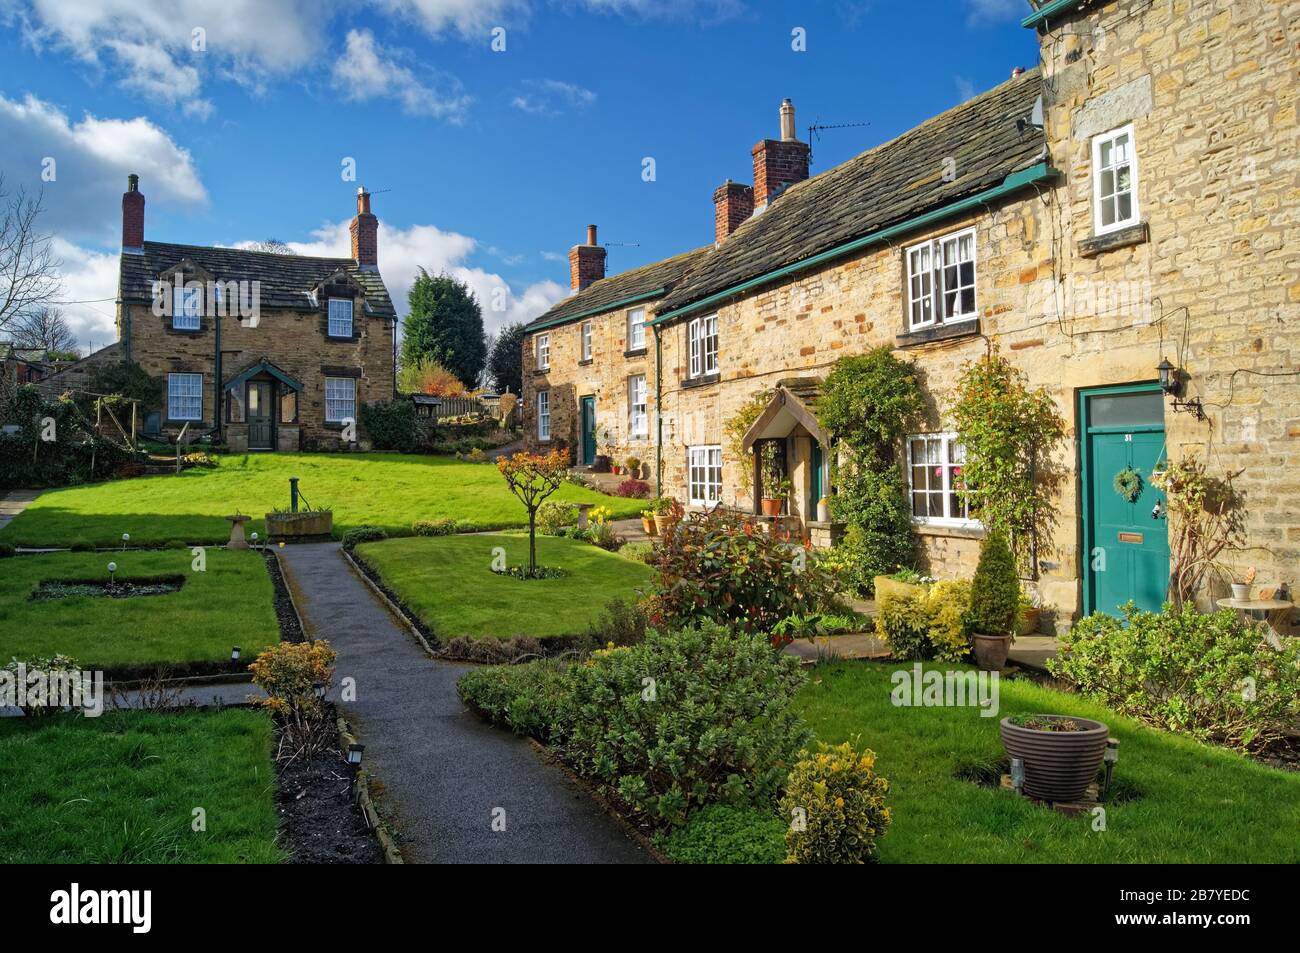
[775,485]
[633,465]
[1027,620]
[824,510]
[648,522]
[282,524]
[1241,590]
[668,513]
[1061,753]
[995,602]
[601,464]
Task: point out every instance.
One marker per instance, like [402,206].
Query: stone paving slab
[14,503]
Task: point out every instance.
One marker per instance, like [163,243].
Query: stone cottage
[261,350]
[1118,222]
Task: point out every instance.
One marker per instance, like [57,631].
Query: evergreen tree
[506,360]
[445,324]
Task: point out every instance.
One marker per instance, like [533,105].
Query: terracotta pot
[664,524]
[648,524]
[991,651]
[771,507]
[1059,765]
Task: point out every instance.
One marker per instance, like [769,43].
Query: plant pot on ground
[648,522]
[1061,753]
[995,602]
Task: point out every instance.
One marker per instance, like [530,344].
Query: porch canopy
[787,412]
[263,367]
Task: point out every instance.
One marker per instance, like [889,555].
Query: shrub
[392,424]
[719,567]
[723,834]
[995,592]
[289,673]
[641,552]
[553,516]
[57,666]
[622,623]
[880,537]
[530,698]
[1213,677]
[439,527]
[841,802]
[363,534]
[903,620]
[638,489]
[687,718]
[949,607]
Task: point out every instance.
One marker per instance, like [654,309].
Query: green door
[588,431]
[815,484]
[1126,553]
[259,415]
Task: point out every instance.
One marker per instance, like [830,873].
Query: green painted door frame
[588,423]
[1140,546]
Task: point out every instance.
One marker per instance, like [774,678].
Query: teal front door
[1126,554]
[588,431]
[260,436]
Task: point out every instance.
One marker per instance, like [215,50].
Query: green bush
[684,719]
[392,424]
[949,606]
[723,834]
[880,537]
[622,623]
[641,552]
[553,516]
[903,621]
[363,534]
[720,568]
[75,455]
[836,803]
[531,698]
[1214,677]
[995,592]
[439,527]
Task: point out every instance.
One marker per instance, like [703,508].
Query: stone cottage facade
[263,351]
[1126,205]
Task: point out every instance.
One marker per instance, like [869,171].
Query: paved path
[14,503]
[444,771]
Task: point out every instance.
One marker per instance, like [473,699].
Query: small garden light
[1111,758]
[1017,774]
[319,690]
[112,573]
[234,654]
[355,752]
[126,538]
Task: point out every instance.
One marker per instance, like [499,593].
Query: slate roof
[286,281]
[601,295]
[881,187]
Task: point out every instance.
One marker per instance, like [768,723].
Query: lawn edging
[367,802]
[394,603]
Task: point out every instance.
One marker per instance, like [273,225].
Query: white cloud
[91,160]
[470,18]
[549,97]
[369,71]
[982,12]
[89,277]
[965,88]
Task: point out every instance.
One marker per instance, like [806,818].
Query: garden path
[14,503]
[446,774]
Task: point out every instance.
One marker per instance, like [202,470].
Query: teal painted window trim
[612,306]
[1048,9]
[1011,183]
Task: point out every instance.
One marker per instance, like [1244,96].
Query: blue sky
[493,161]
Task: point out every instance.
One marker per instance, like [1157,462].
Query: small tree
[995,591]
[532,478]
[445,323]
[505,362]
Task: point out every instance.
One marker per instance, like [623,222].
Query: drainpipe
[216,384]
[659,415]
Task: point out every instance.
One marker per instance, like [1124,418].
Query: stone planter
[991,651]
[298,525]
[1059,765]
[664,524]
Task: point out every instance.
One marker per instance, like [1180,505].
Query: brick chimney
[365,234]
[586,262]
[733,204]
[133,217]
[779,163]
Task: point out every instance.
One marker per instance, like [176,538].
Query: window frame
[542,351]
[632,344]
[936,290]
[638,423]
[340,420]
[699,331]
[586,333]
[173,394]
[1135,215]
[181,308]
[329,318]
[707,467]
[947,439]
[544,415]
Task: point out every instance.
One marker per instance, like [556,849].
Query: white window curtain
[340,312]
[340,399]
[184,396]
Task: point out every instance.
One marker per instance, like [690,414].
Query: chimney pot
[779,163]
[133,216]
[787,121]
[591,235]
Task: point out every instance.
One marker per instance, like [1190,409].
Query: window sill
[940,332]
[958,530]
[343,338]
[635,352]
[704,380]
[187,332]
[541,371]
[1110,241]
[334,425]
[181,423]
[585,363]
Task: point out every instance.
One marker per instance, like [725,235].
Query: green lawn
[1198,804]
[122,788]
[384,489]
[231,603]
[448,582]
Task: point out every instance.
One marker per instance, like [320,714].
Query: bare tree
[28,268]
[272,245]
[44,329]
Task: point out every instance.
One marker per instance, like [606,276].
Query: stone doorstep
[1091,799]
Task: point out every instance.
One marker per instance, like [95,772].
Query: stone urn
[237,540]
[1059,765]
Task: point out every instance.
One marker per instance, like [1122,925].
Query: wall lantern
[1169,384]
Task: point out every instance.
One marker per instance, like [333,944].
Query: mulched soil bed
[319,821]
[119,589]
[290,628]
